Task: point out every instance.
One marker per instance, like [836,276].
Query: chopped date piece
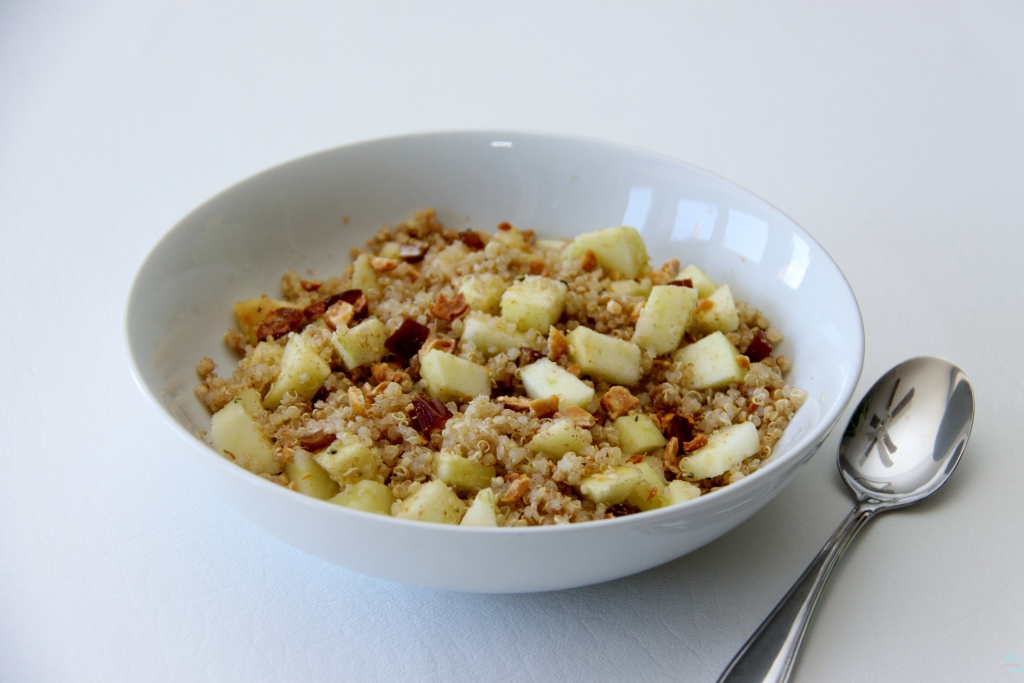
[449,309]
[680,427]
[472,239]
[412,253]
[355,297]
[406,341]
[429,413]
[759,347]
[682,283]
[317,441]
[280,322]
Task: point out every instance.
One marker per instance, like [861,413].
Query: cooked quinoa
[396,427]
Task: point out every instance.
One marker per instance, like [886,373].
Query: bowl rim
[693,507]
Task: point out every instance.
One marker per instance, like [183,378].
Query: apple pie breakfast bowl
[584,360]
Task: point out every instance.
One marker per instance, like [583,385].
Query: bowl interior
[305,215]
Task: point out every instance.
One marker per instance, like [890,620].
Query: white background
[894,134]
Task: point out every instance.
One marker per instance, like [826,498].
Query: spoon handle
[771,652]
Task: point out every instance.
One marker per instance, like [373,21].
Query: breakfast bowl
[306,216]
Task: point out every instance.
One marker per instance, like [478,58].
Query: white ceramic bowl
[307,213]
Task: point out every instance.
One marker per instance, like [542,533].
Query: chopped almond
[340,313]
[449,309]
[634,459]
[518,486]
[588,261]
[544,407]
[698,441]
[669,457]
[557,344]
[444,345]
[617,402]
[358,401]
[517,403]
[634,315]
[382,372]
[579,416]
[383,265]
[614,307]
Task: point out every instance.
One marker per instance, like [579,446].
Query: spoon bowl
[908,432]
[903,441]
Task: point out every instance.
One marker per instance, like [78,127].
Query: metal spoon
[902,443]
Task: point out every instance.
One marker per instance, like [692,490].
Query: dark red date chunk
[471,239]
[280,322]
[406,341]
[759,347]
[412,253]
[681,427]
[682,283]
[428,414]
[352,296]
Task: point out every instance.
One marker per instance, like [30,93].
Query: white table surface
[895,135]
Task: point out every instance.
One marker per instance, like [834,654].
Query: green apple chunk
[449,377]
[726,448]
[364,277]
[308,477]
[533,303]
[599,355]
[366,495]
[713,362]
[665,318]
[680,491]
[483,292]
[362,344]
[483,511]
[559,437]
[717,313]
[303,371]
[348,462]
[620,249]
[612,486]
[638,434]
[551,245]
[433,502]
[462,474]
[238,435]
[492,335]
[650,492]
[544,378]
[631,287]
[448,260]
[705,286]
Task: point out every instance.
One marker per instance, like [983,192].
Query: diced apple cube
[713,362]
[599,355]
[265,353]
[551,245]
[620,249]
[533,303]
[308,477]
[631,287]
[612,486]
[251,312]
[717,313]
[448,260]
[483,511]
[461,473]
[303,371]
[350,461]
[638,434]
[366,495]
[559,437]
[238,435]
[665,318]
[251,401]
[649,492]
[449,377]
[362,344]
[726,448]
[483,292]
[705,286]
[364,277]
[433,502]
[544,378]
[680,491]
[492,335]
